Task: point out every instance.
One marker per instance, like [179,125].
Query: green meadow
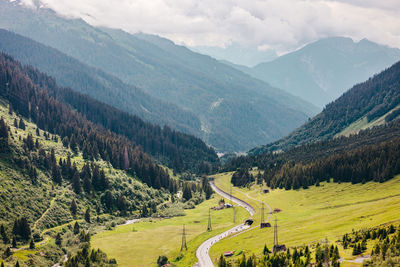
[311,215]
[141,243]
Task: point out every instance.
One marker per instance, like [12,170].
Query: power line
[276,245]
[183,245]
[209,228]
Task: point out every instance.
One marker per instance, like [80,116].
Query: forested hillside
[370,155]
[58,168]
[94,82]
[177,150]
[371,99]
[31,101]
[236,111]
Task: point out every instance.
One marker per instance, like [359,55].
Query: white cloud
[281,25]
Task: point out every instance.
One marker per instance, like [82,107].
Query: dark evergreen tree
[73,207]
[21,124]
[76,183]
[187,193]
[4,235]
[7,252]
[31,244]
[87,215]
[58,239]
[21,229]
[76,228]
[56,174]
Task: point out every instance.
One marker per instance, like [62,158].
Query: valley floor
[308,216]
[141,243]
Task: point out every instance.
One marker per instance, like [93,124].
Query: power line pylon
[183,246]
[230,194]
[276,244]
[209,228]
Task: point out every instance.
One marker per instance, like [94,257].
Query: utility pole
[276,246]
[234,214]
[209,228]
[230,194]
[183,246]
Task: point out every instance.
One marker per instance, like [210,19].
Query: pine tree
[73,208]
[14,242]
[266,250]
[7,252]
[56,174]
[144,212]
[87,215]
[32,244]
[76,183]
[76,228]
[17,264]
[4,234]
[21,124]
[58,240]
[187,194]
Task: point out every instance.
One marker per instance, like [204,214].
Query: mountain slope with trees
[371,99]
[104,87]
[321,71]
[177,150]
[236,111]
[58,170]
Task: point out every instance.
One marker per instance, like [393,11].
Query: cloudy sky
[281,25]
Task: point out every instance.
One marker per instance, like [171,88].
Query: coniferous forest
[33,102]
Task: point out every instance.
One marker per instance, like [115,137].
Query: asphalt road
[202,252]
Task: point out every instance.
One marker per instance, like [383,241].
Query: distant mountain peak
[323,70]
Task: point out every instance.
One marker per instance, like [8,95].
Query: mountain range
[236,111]
[323,70]
[372,103]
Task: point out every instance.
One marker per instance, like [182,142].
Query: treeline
[386,252]
[372,98]
[370,155]
[33,102]
[377,163]
[242,177]
[297,257]
[180,151]
[317,150]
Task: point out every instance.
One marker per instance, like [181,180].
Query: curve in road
[202,252]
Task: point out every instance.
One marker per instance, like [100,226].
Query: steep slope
[379,96]
[60,172]
[236,111]
[178,151]
[321,71]
[71,73]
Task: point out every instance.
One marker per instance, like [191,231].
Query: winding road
[202,252]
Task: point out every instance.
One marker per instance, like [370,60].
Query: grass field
[311,215]
[141,243]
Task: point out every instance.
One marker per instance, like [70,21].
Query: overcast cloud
[282,25]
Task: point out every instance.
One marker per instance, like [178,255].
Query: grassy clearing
[362,124]
[308,216]
[141,243]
